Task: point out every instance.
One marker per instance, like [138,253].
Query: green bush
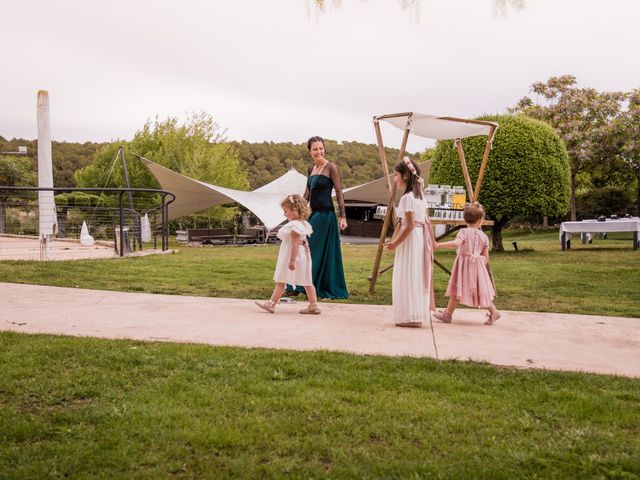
[603,201]
[527,172]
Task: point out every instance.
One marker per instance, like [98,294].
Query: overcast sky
[279,70]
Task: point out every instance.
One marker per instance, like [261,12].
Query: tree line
[600,131]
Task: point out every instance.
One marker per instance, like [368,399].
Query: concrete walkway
[609,345]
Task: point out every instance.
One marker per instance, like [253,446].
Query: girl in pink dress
[470,282]
[294,259]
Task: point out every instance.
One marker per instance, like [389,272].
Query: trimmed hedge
[527,172]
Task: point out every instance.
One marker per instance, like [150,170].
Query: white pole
[48,221]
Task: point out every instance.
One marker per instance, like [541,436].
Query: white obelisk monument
[46,202]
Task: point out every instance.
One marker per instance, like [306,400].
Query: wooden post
[392,194]
[465,170]
[383,233]
[483,164]
[381,153]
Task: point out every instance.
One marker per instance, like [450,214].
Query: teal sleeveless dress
[327,271]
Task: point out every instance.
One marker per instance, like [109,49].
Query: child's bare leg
[270,306]
[277,292]
[446,315]
[452,305]
[493,315]
[310,290]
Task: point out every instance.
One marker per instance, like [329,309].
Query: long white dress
[410,288]
[302,273]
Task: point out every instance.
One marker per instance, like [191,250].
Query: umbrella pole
[46,200]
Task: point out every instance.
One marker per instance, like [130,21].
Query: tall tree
[14,172]
[581,116]
[628,134]
[196,148]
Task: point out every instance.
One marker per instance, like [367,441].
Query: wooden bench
[209,234]
[252,235]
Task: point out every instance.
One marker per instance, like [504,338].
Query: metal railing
[105,212]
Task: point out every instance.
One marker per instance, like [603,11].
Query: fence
[125,219]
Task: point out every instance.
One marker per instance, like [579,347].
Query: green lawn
[88,408]
[602,278]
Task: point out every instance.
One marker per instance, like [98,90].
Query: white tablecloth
[594,226]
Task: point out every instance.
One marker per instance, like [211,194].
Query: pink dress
[470,282]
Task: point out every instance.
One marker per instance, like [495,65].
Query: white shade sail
[438,127]
[194,195]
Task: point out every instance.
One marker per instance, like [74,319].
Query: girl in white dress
[413,242]
[294,259]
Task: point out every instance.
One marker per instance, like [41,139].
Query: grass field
[87,408]
[602,278]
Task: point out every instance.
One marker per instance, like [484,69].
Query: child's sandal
[443,316]
[312,309]
[269,306]
[409,324]
[492,317]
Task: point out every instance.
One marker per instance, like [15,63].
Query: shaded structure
[436,128]
[193,195]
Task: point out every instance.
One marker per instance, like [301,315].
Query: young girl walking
[294,260]
[470,282]
[412,288]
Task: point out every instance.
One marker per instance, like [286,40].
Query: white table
[595,226]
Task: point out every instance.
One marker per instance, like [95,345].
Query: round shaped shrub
[527,172]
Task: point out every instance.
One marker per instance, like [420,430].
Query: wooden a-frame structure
[437,128]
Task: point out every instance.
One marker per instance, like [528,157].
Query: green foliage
[527,172]
[428,154]
[18,171]
[603,201]
[181,148]
[584,119]
[195,149]
[265,161]
[77,199]
[67,157]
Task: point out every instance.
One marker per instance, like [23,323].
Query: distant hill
[264,161]
[67,157]
[358,162]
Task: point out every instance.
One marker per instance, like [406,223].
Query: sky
[282,71]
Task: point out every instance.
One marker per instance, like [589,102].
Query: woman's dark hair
[413,179]
[313,140]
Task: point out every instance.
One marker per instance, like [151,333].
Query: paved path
[600,344]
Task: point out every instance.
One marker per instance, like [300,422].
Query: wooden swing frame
[473,193]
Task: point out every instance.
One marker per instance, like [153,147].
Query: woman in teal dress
[326,253]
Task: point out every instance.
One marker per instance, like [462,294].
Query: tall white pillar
[46,202]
